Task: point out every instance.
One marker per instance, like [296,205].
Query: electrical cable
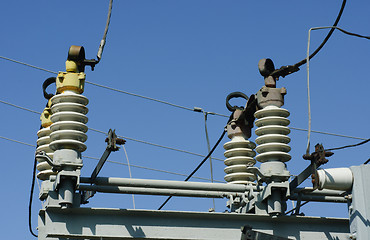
[286,70]
[28,65]
[102,42]
[367,161]
[199,165]
[129,171]
[348,146]
[30,201]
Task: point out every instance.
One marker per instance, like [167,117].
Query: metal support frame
[89,223]
[358,206]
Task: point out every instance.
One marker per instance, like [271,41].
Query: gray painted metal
[359,207]
[150,183]
[157,191]
[87,223]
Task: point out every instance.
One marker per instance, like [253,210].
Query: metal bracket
[112,142]
[45,157]
[317,159]
[249,234]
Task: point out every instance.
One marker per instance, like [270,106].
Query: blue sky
[190,53]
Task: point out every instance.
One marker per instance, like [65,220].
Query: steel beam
[88,223]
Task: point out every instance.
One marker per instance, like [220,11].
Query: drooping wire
[348,146]
[31,198]
[308,74]
[199,165]
[129,171]
[102,42]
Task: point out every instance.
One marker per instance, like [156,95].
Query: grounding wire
[308,57]
[31,198]
[135,166]
[129,171]
[199,165]
[102,42]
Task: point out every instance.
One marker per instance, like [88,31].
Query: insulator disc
[271,111]
[68,134]
[281,121]
[68,144]
[69,107]
[68,116]
[273,156]
[240,178]
[272,138]
[272,129]
[69,125]
[70,98]
[273,147]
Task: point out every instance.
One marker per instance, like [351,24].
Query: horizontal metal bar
[325,192]
[150,183]
[156,191]
[318,198]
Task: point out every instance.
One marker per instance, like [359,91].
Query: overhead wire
[120,163]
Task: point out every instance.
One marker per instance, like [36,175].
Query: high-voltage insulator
[43,141]
[239,156]
[272,131]
[239,151]
[69,110]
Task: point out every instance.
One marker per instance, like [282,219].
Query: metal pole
[149,183]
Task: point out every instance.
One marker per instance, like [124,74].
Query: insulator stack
[69,121]
[43,142]
[239,156]
[272,130]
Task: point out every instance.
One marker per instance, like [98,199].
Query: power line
[156,145]
[135,166]
[28,65]
[179,150]
[154,169]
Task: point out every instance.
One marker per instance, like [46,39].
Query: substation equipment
[256,196]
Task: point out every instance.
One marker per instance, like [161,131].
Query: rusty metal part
[319,156]
[266,67]
[77,54]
